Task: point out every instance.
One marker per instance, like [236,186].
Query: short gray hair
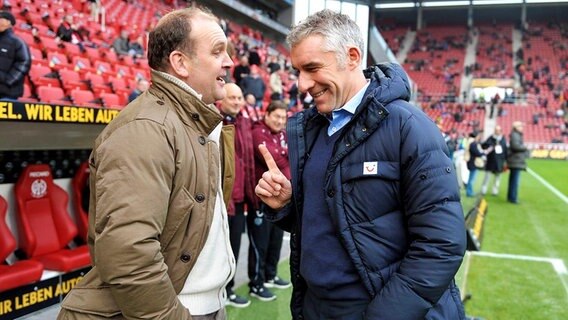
[338,31]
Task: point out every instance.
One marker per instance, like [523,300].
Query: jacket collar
[185,103]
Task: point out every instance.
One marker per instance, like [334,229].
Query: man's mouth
[221,80]
[319,94]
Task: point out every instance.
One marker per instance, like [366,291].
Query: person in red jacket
[243,190]
[265,237]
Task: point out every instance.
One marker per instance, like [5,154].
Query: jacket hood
[389,82]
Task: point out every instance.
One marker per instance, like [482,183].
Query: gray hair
[338,31]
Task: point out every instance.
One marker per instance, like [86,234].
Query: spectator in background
[242,70]
[250,108]
[265,237]
[516,161]
[122,44]
[476,161]
[162,172]
[276,84]
[141,86]
[254,85]
[95,7]
[495,160]
[136,48]
[15,59]
[254,57]
[293,90]
[243,189]
[373,206]
[68,32]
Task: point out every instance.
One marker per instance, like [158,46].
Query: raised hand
[273,188]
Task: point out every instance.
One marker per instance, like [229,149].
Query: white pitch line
[557,264]
[549,186]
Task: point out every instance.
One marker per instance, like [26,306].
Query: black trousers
[236,229]
[264,249]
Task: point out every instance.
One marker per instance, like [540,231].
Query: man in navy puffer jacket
[15,59]
[373,207]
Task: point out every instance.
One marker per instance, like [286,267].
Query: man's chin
[324,108]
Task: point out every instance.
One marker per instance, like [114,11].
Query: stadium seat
[97,83]
[57,60]
[79,185]
[52,95]
[84,98]
[72,80]
[27,96]
[43,76]
[111,100]
[21,272]
[82,64]
[49,44]
[45,227]
[37,57]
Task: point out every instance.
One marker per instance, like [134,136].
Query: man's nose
[305,82]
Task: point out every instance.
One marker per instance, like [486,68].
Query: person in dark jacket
[495,160]
[476,160]
[265,237]
[15,59]
[243,188]
[242,70]
[373,205]
[516,161]
[253,84]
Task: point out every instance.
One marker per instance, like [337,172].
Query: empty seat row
[46,230]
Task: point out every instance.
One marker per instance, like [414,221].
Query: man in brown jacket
[158,233]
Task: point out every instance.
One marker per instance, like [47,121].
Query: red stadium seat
[49,44]
[97,83]
[57,60]
[111,100]
[45,227]
[21,272]
[52,95]
[39,76]
[84,98]
[79,184]
[27,96]
[72,80]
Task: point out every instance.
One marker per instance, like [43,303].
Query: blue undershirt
[325,264]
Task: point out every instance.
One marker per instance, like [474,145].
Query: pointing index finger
[272,167]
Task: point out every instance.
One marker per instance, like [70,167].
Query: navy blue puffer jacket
[402,226]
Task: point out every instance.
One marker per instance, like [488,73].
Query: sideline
[557,264]
[548,185]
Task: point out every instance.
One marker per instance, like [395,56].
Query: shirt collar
[353,103]
[180,83]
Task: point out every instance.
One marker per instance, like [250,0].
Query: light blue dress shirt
[340,117]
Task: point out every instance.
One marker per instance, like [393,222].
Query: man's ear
[178,64]
[354,57]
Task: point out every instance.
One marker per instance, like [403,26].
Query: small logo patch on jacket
[370,167]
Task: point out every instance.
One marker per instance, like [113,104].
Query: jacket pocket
[92,300]
[179,211]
